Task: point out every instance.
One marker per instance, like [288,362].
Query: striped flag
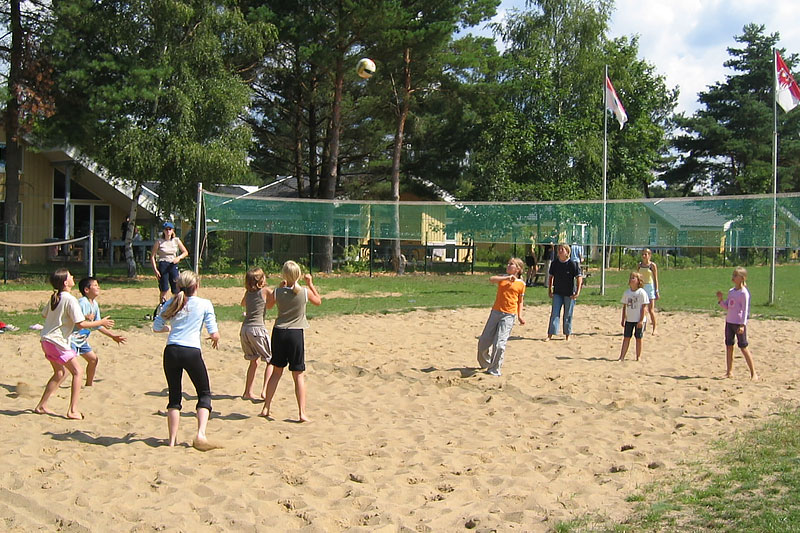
[614,105]
[787,93]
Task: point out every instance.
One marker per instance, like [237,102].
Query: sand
[406,434]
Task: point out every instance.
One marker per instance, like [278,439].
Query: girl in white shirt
[62,314]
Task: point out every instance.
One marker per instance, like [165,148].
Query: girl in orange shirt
[507,307]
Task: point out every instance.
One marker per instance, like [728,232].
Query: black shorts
[530,260]
[629,330]
[731,331]
[288,348]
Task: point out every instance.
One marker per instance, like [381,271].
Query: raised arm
[313,294]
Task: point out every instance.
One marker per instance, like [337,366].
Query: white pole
[197,228]
[774,176]
[605,170]
[91,253]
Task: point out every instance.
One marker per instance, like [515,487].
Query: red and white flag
[787,93]
[614,105]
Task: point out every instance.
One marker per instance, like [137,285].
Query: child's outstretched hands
[119,339]
[719,296]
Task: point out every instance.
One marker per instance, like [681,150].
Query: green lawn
[681,290]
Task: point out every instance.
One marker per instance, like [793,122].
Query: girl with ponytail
[183,317]
[62,314]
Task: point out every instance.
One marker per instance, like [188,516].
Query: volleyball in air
[365,68]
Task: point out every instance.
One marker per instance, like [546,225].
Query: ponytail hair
[57,280]
[187,285]
[742,273]
[291,274]
[254,279]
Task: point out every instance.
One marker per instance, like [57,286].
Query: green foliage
[727,144]
[218,256]
[546,143]
[153,90]
[352,261]
[268,264]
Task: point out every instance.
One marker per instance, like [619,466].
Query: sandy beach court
[405,433]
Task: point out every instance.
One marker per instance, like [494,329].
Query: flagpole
[774,176]
[605,170]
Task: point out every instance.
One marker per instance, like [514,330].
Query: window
[76,191]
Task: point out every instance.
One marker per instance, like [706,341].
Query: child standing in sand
[288,342]
[738,306]
[79,339]
[62,314]
[634,316]
[649,272]
[187,314]
[507,307]
[253,334]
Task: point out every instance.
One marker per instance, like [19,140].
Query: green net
[732,221]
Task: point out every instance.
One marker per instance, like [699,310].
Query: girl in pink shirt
[738,306]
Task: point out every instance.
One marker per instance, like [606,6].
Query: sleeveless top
[254,304]
[291,308]
[167,249]
[647,273]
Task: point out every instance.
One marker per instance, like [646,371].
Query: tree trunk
[13,143]
[129,257]
[405,105]
[331,173]
[297,130]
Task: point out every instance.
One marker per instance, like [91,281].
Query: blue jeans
[568,304]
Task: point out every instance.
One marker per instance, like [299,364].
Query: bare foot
[252,398]
[75,415]
[548,338]
[621,358]
[729,375]
[754,377]
[264,413]
[304,418]
[204,445]
[40,409]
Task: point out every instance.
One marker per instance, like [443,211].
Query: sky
[687,40]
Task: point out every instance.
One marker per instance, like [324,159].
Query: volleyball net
[724,221]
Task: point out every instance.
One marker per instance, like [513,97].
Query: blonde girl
[288,342]
[183,317]
[738,306]
[507,307]
[253,334]
[634,314]
[649,272]
[62,314]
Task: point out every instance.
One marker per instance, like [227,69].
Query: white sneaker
[493,372]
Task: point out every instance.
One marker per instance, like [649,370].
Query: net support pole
[774,178]
[605,170]
[91,253]
[198,225]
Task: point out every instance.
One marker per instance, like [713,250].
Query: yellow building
[64,195]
